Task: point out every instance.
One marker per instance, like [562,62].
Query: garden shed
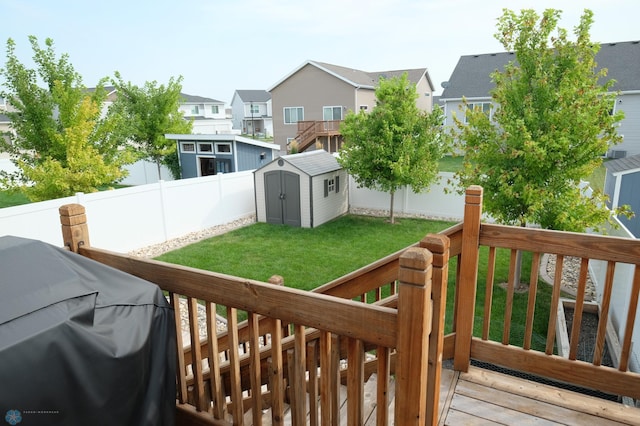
[304,190]
[622,186]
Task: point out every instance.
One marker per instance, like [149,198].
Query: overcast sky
[219,46]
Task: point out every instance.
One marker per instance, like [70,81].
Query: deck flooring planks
[586,409]
[483,397]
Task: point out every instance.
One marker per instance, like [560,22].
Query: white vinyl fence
[126,219]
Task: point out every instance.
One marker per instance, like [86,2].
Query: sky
[221,46]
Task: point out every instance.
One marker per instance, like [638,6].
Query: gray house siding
[320,89]
[629,103]
[629,190]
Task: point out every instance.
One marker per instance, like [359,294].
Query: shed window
[223,148]
[188,147]
[331,185]
[205,147]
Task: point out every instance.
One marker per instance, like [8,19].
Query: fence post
[414,323]
[466,291]
[438,245]
[75,231]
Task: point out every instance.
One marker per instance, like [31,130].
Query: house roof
[192,99]
[253,95]
[471,76]
[626,164]
[358,78]
[313,163]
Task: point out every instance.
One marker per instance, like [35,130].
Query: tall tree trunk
[159,165]
[391,217]
[518,271]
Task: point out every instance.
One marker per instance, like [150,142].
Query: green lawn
[308,258]
[10,199]
[305,258]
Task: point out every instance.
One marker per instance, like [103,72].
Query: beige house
[311,101]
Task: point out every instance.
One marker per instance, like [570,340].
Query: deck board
[483,397]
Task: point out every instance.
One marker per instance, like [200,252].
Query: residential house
[251,113]
[209,115]
[310,102]
[6,132]
[210,154]
[471,79]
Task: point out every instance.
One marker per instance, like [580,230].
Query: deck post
[466,291]
[414,325]
[438,245]
[75,231]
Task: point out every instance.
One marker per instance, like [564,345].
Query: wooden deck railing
[369,337]
[309,131]
[522,354]
[334,340]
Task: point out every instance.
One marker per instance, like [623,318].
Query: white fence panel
[433,202]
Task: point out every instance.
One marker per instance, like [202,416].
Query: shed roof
[313,163]
[626,164]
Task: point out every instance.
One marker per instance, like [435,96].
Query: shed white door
[282,197]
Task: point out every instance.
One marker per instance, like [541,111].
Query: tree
[396,144]
[552,123]
[64,143]
[153,111]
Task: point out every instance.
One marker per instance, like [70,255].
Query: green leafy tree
[64,142]
[552,123]
[153,111]
[396,144]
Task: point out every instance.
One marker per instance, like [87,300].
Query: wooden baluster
[355,381]
[629,324]
[234,364]
[553,310]
[508,308]
[531,303]
[254,368]
[215,379]
[488,293]
[604,313]
[181,367]
[298,379]
[75,231]
[578,308]
[466,290]
[414,315]
[438,245]
[312,387]
[196,356]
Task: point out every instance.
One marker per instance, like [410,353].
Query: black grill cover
[81,343]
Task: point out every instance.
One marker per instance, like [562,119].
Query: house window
[483,106]
[293,114]
[364,107]
[255,109]
[205,147]
[332,113]
[195,109]
[187,147]
[214,109]
[223,148]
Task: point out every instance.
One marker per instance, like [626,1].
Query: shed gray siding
[249,156]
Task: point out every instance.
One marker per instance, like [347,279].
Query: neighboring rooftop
[253,95]
[359,78]
[471,76]
[623,164]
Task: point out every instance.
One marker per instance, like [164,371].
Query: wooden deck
[482,397]
[485,397]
